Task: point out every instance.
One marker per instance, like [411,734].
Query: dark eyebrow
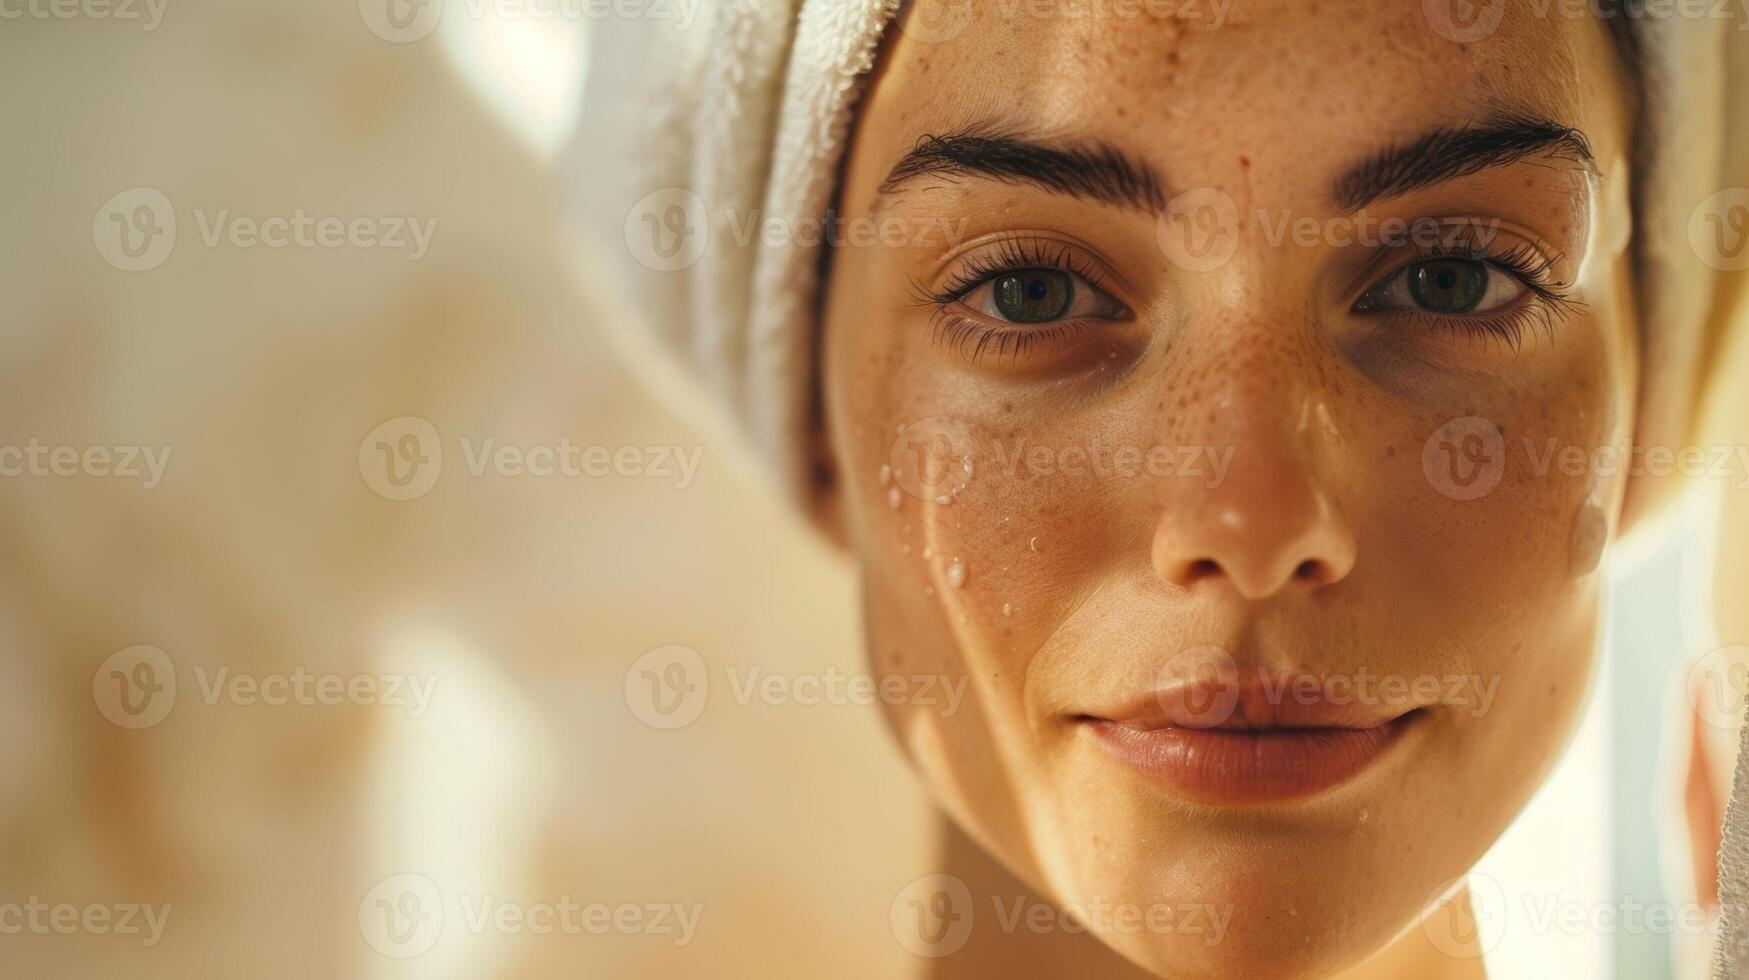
[1090,170]
[1445,153]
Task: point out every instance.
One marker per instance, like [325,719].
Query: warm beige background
[265,550]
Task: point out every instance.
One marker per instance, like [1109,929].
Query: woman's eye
[1446,287]
[1039,296]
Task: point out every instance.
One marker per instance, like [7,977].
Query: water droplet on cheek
[893,498]
[956,573]
[1007,609]
[1361,818]
[1033,544]
[886,474]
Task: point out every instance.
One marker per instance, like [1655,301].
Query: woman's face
[1204,398]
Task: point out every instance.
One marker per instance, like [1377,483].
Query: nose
[1268,525]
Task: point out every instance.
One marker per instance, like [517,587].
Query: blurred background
[318,660]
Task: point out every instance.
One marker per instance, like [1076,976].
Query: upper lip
[1256,701]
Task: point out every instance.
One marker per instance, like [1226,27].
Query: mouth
[1257,753]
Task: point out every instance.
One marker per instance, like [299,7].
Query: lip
[1238,766]
[1236,746]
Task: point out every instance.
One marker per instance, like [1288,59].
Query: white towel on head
[701,133]
[708,157]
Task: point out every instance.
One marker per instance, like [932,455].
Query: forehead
[1291,88]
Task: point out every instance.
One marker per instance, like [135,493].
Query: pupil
[1033,295]
[1448,285]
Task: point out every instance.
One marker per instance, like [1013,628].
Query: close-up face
[876,489]
[1195,405]
[872,489]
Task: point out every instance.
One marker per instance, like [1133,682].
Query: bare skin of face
[1163,393]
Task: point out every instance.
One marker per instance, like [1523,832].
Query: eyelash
[1549,302]
[1012,256]
[957,331]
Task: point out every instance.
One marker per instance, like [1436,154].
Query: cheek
[966,569]
[1507,496]
[971,509]
[1482,539]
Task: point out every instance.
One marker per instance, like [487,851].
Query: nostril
[1307,570]
[1203,568]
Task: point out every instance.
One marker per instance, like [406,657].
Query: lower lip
[1227,766]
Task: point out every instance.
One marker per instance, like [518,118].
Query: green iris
[1033,295]
[1448,285]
